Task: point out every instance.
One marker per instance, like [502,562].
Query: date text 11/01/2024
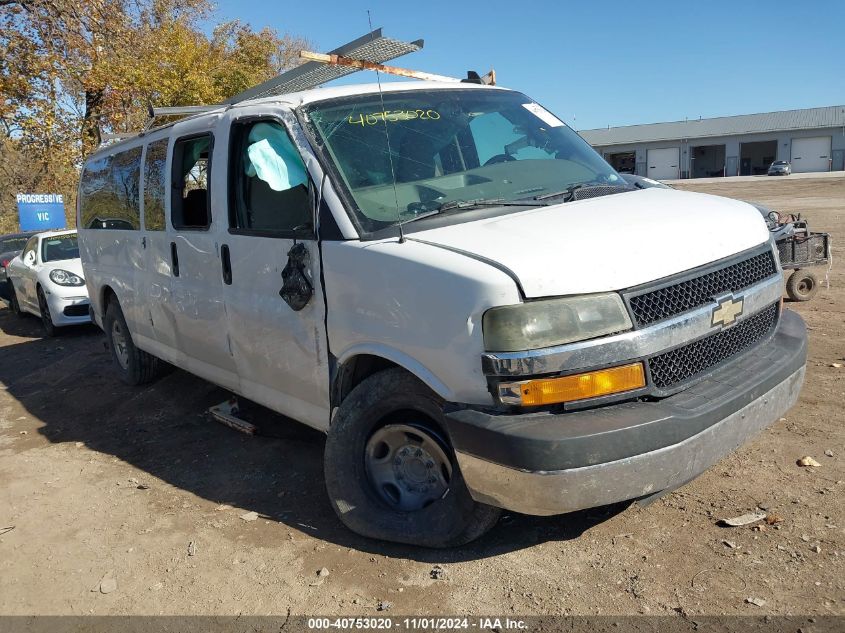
[418,623]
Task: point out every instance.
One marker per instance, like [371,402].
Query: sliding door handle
[226,262]
[174,259]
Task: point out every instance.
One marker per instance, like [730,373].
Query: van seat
[195,208]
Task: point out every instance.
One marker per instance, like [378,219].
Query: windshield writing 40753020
[405,154]
[392,116]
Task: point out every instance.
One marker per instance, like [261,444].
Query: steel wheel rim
[118,341]
[407,466]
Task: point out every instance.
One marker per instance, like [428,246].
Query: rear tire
[390,471]
[802,285]
[135,366]
[46,317]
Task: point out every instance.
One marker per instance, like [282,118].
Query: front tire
[390,471]
[135,366]
[46,317]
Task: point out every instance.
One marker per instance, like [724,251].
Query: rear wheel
[135,366]
[46,317]
[802,285]
[390,471]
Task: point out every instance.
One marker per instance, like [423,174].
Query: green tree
[71,71]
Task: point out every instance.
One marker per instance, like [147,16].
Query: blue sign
[41,211]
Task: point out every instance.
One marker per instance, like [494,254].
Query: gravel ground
[130,501]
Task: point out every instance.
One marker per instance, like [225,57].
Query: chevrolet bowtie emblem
[727,310]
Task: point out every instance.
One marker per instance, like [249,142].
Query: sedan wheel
[46,319]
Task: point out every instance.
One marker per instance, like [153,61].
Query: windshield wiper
[569,193]
[484,202]
[425,210]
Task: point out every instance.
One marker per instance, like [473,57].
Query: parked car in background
[10,247]
[780,168]
[46,280]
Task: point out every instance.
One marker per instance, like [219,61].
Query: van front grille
[673,368]
[689,294]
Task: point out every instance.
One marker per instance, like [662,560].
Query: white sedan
[47,280]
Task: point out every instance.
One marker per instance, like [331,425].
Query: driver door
[270,273]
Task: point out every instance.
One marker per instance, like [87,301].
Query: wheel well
[354,371]
[107,295]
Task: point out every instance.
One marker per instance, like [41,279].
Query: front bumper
[68,310]
[543,463]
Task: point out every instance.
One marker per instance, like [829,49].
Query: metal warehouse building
[745,145]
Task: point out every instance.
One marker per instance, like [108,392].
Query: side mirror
[29,260]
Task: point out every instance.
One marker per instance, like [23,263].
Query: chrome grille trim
[632,345]
[673,369]
[653,304]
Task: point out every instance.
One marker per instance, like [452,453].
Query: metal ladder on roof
[373,48]
[368,52]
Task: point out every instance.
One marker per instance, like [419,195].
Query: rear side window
[268,182]
[155,184]
[189,203]
[95,193]
[110,192]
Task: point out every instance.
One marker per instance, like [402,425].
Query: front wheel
[390,471]
[46,317]
[135,366]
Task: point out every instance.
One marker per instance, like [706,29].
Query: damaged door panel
[270,273]
[297,289]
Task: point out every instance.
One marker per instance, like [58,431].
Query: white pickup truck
[452,285]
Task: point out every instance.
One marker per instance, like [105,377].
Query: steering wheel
[499,158]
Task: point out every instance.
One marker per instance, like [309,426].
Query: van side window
[95,193]
[126,188]
[110,192]
[189,202]
[155,184]
[268,182]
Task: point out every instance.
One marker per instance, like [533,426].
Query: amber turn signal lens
[592,384]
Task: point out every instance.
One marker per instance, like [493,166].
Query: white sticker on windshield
[541,113]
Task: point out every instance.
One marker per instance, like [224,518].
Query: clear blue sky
[603,63]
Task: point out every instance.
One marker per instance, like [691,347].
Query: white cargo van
[455,287]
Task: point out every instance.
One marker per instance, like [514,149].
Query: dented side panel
[416,305]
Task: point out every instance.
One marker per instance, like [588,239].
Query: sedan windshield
[58,247]
[425,152]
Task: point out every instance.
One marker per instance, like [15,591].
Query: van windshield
[449,147]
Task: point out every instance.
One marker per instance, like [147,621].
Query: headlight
[66,278]
[553,322]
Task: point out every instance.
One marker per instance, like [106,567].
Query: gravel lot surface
[131,501]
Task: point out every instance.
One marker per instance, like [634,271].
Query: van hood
[608,243]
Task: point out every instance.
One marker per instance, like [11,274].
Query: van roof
[296,99]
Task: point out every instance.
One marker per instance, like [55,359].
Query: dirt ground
[104,482]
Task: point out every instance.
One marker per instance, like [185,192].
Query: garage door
[663,163]
[811,154]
